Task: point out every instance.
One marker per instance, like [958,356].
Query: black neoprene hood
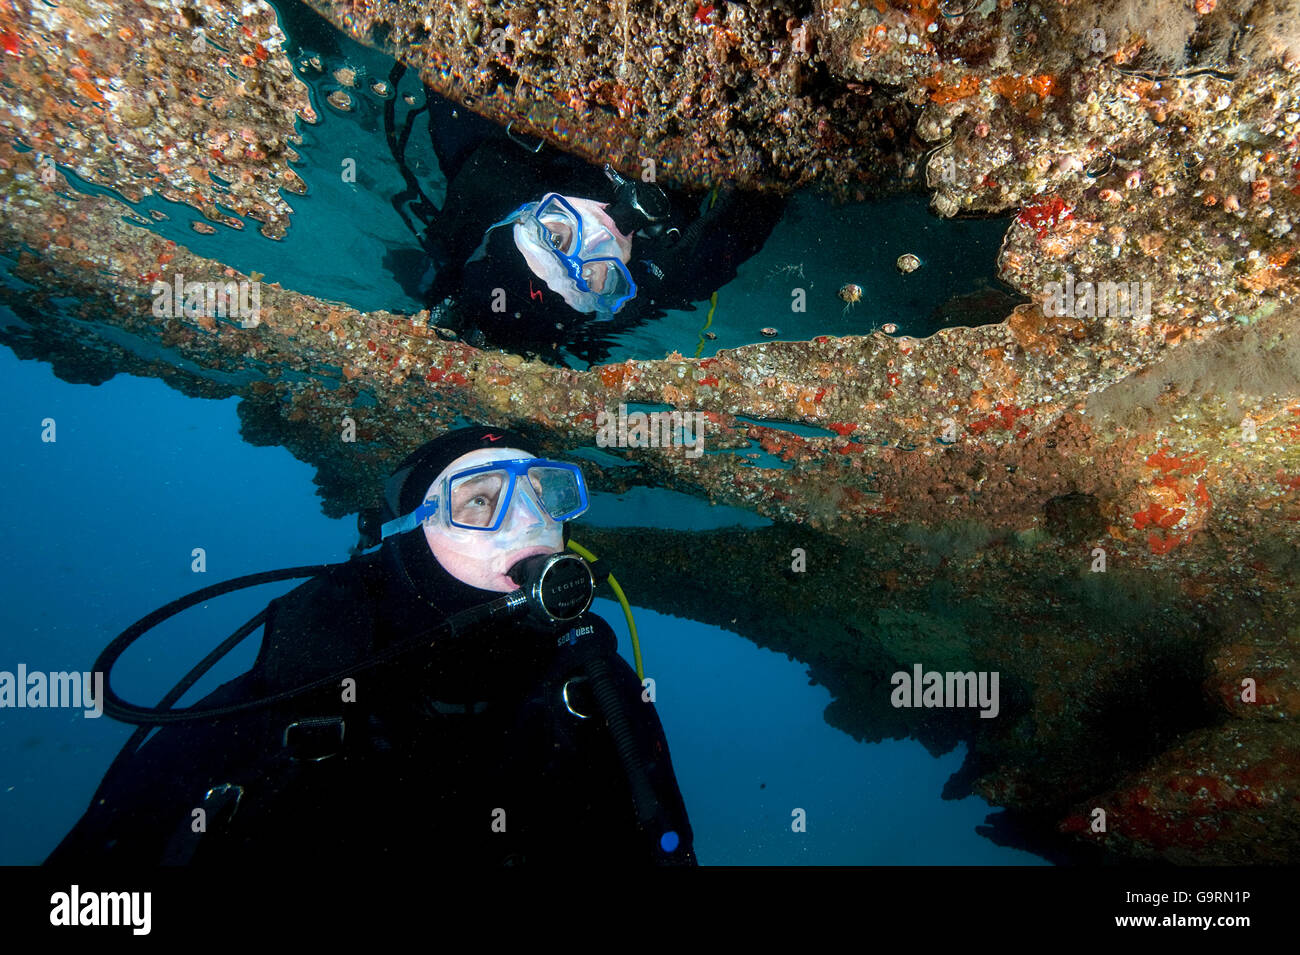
[503,267]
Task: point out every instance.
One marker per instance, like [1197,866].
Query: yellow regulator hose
[622,599]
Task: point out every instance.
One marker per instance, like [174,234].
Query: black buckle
[314,739]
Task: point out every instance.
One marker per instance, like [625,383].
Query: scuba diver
[536,251]
[446,699]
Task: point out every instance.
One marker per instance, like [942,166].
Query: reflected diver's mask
[566,246]
[506,504]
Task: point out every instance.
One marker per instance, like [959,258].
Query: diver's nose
[524,512]
[595,275]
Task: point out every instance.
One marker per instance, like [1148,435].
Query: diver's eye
[475,505]
[560,235]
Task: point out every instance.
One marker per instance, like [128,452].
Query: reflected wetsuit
[699,249]
[432,754]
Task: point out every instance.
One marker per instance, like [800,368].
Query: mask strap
[481,251]
[408,522]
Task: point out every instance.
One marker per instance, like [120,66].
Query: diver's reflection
[541,253]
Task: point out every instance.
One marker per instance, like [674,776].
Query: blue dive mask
[479,498]
[573,253]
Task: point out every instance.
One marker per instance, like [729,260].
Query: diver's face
[596,241]
[592,210]
[600,237]
[479,558]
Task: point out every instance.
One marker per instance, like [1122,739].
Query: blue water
[818,247]
[103,523]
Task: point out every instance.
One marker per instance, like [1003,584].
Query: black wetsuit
[435,754]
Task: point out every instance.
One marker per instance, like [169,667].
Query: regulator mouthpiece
[554,588]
